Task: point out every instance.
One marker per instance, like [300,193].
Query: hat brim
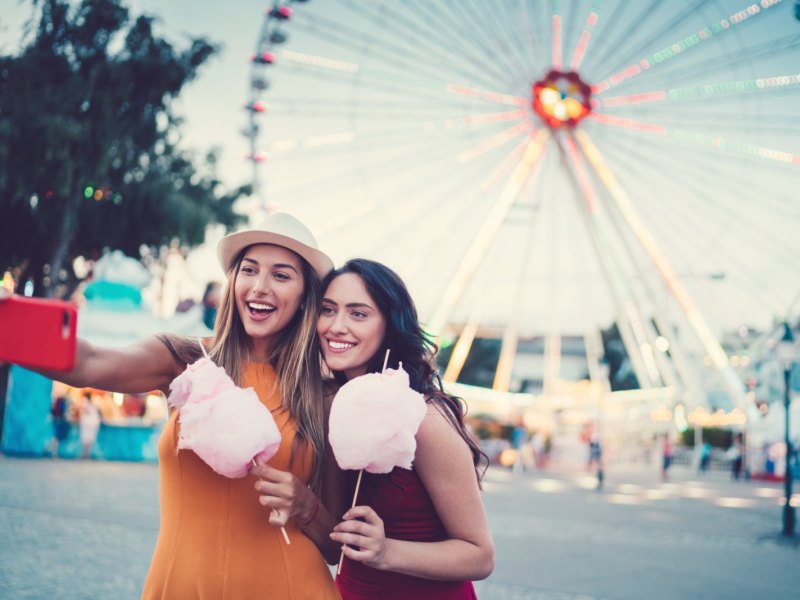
[231,245]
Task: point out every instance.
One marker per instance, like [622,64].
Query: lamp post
[786,355]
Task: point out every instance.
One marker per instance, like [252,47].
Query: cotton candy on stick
[225,425]
[373,421]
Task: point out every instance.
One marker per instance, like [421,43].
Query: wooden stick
[355,497]
[385,360]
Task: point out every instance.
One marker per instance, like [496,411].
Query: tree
[88,155]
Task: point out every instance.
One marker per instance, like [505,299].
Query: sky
[395,132]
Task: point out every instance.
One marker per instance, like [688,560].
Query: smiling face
[269,289]
[350,327]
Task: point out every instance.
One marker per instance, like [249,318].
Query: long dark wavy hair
[407,343]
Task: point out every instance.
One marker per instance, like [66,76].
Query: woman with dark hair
[419,533]
[219,537]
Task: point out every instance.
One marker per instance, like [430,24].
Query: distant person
[705,457]
[210,302]
[666,457]
[537,447]
[737,458]
[58,414]
[595,450]
[596,457]
[89,425]
[519,442]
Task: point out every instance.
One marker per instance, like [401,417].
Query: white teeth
[339,345]
[257,306]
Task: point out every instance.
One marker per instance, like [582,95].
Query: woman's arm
[444,464]
[141,367]
[290,498]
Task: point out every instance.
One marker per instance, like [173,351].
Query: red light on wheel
[561,99]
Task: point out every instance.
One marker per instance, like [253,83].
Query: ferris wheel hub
[561,99]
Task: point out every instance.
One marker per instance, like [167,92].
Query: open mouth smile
[258,309]
[340,346]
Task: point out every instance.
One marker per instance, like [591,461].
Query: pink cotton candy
[373,421]
[225,425]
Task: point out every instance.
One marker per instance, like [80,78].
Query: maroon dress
[408,513]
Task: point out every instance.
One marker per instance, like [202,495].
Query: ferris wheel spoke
[507,31]
[690,42]
[582,45]
[386,164]
[706,167]
[615,267]
[454,55]
[394,80]
[696,69]
[609,46]
[453,188]
[526,18]
[471,54]
[712,141]
[511,332]
[701,202]
[395,58]
[666,31]
[718,92]
[495,141]
[696,320]
[504,166]
[488,231]
[481,24]
[680,228]
[557,37]
[459,34]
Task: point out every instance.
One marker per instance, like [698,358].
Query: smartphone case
[38,333]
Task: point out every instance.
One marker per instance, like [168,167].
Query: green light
[88,191]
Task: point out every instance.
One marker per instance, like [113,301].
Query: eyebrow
[351,305]
[275,266]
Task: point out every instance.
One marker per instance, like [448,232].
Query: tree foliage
[88,135]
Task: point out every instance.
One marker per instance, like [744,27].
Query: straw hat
[281,229]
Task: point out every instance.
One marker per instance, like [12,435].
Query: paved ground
[85,530]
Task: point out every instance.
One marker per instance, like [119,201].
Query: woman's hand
[284,494]
[362,536]
[4,293]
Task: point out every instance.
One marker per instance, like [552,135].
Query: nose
[261,285]
[339,323]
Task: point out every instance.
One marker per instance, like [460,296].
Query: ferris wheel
[542,169]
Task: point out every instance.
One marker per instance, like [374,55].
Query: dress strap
[202,347]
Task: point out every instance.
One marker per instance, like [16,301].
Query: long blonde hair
[294,356]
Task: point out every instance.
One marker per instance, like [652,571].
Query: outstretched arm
[135,369]
[444,464]
[142,367]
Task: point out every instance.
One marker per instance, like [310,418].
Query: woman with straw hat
[219,537]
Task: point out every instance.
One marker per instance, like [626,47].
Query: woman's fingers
[264,471]
[362,512]
[278,518]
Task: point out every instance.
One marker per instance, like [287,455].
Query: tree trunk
[61,249]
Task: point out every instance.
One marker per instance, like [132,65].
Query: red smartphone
[38,333]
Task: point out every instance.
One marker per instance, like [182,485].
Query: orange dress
[215,540]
